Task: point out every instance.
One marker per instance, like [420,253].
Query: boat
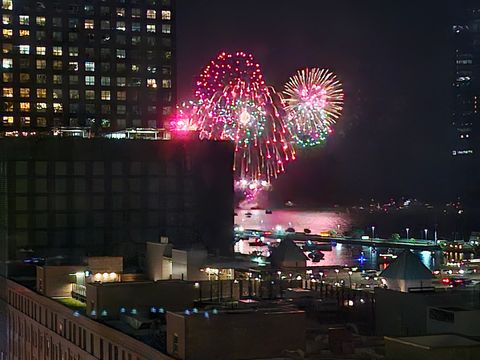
[307,231]
[316,256]
[268,211]
[290,230]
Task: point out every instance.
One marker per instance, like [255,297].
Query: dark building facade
[105,64]
[465,133]
[74,197]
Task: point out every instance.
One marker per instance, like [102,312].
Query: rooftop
[436,341]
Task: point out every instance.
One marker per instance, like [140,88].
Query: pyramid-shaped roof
[287,250]
[407,266]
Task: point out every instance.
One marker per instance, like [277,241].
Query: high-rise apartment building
[72,197]
[466,85]
[105,64]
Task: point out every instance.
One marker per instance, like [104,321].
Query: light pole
[426,232]
[336,276]
[373,232]
[321,276]
[350,278]
[407,230]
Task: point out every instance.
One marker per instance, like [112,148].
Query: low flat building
[240,334]
[454,320]
[438,347]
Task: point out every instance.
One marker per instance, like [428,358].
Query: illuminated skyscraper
[105,64]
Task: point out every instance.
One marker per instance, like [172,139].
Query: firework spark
[313,101]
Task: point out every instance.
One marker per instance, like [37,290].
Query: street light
[336,275]
[373,232]
[321,276]
[426,232]
[350,278]
[407,230]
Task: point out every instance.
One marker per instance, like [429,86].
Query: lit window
[168,55]
[90,94]
[105,25]
[57,79]
[7,120]
[7,5]
[24,49]
[73,51]
[25,120]
[166,15]
[105,95]
[136,13]
[7,48]
[8,106]
[151,14]
[41,122]
[152,69]
[105,81]
[24,19]
[89,66]
[73,65]
[136,26]
[74,94]
[57,93]
[7,77]
[6,19]
[7,92]
[135,68]
[57,51]
[7,63]
[121,12]
[24,92]
[41,20]
[121,95]
[151,28]
[41,50]
[24,77]
[136,40]
[89,24]
[121,81]
[121,25]
[57,107]
[41,93]
[89,80]
[57,64]
[166,83]
[41,64]
[166,28]
[7,33]
[24,106]
[24,32]
[121,54]
[152,83]
[41,107]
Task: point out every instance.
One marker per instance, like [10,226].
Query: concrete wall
[170,294]
[465,322]
[101,264]
[248,335]
[405,314]
[53,281]
[179,264]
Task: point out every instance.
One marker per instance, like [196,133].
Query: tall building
[105,64]
[465,134]
[73,197]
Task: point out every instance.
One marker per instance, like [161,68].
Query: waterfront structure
[107,65]
[74,197]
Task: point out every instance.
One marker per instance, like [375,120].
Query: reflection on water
[364,257]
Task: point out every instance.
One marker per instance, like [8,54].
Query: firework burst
[313,101]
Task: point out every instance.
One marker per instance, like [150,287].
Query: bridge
[377,242]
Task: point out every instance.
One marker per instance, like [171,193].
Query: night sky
[395,61]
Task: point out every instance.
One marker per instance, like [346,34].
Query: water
[363,257]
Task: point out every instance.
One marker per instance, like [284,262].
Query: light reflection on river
[364,257]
